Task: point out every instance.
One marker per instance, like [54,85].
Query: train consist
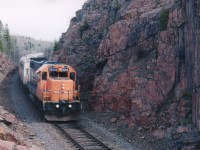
[51,85]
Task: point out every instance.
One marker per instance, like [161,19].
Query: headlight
[63,87]
[57,106]
[70,106]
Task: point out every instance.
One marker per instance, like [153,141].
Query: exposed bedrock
[137,57]
[6,66]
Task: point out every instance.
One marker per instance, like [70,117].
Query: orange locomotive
[54,85]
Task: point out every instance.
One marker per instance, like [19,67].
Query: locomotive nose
[61,90]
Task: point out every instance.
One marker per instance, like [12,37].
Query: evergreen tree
[56,46]
[1,37]
[7,40]
[16,46]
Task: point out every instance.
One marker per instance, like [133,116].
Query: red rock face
[132,58]
[5,66]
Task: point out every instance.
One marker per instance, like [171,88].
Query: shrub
[157,2]
[84,27]
[186,121]
[74,19]
[56,46]
[187,94]
[140,53]
[178,1]
[116,6]
[164,16]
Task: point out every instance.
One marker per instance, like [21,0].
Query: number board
[53,69]
[65,69]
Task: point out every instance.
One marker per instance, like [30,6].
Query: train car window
[72,76]
[31,64]
[44,75]
[27,71]
[21,65]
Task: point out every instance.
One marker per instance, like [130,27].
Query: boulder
[7,145]
[10,118]
[19,147]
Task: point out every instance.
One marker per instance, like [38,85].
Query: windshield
[55,74]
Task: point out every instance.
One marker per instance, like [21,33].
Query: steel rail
[87,136]
[69,137]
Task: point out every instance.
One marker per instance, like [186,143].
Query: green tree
[16,46]
[7,41]
[1,37]
[56,46]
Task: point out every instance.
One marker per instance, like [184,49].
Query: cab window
[72,76]
[57,74]
[44,75]
[62,74]
[53,74]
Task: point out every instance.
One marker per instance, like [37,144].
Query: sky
[40,19]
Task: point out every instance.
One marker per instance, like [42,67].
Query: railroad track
[81,139]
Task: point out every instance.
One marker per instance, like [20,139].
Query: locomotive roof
[49,65]
[38,58]
[52,62]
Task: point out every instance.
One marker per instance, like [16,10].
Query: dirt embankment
[13,132]
[6,66]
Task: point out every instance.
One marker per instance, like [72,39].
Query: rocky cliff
[137,57]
